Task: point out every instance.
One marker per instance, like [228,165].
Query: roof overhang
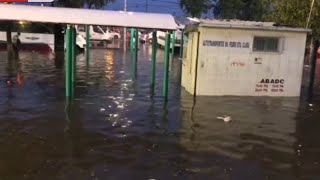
[87,17]
[275,28]
[245,25]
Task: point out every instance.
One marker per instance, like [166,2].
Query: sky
[151,6]
[155,6]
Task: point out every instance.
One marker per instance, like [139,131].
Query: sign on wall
[225,44]
[270,85]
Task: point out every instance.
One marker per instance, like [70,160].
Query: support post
[134,52]
[313,68]
[173,44]
[154,61]
[87,44]
[68,64]
[74,60]
[136,43]
[131,42]
[181,44]
[166,68]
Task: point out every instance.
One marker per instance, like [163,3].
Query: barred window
[266,44]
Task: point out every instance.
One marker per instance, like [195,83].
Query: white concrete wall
[34,38]
[189,63]
[235,71]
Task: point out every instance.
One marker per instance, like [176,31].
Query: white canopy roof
[87,16]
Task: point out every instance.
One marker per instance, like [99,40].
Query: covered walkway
[72,17]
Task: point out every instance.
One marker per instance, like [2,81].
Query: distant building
[243,58]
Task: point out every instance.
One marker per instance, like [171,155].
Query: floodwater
[116,130]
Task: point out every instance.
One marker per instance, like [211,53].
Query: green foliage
[69,3]
[239,9]
[294,13]
[195,8]
[96,4]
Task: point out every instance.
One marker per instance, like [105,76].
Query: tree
[195,8]
[96,4]
[251,10]
[294,13]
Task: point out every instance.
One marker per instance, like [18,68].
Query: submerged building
[243,58]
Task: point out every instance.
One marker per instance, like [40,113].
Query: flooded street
[117,130]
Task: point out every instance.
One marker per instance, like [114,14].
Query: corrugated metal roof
[238,24]
[87,16]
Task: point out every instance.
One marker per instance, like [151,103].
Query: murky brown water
[115,130]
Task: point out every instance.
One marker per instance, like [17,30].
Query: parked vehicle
[147,37]
[96,34]
[161,35]
[114,34]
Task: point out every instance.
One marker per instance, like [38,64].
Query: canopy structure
[87,17]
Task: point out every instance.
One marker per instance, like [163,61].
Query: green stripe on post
[166,68]
[154,61]
[134,52]
[68,64]
[74,60]
[136,43]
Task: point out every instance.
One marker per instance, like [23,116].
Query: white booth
[243,58]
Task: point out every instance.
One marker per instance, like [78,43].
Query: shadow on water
[116,130]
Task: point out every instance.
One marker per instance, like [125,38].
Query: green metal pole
[88,44]
[181,44]
[166,68]
[68,63]
[134,53]
[154,60]
[173,44]
[74,60]
[136,43]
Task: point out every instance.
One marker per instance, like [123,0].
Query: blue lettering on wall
[231,44]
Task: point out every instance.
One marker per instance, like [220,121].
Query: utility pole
[309,17]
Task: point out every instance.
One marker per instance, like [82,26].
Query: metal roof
[251,25]
[183,21]
[86,16]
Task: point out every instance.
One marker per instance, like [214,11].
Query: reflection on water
[116,130]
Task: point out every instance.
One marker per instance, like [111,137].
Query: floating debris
[225,118]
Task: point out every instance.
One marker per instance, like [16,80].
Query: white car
[96,34]
[80,41]
[161,38]
[113,34]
